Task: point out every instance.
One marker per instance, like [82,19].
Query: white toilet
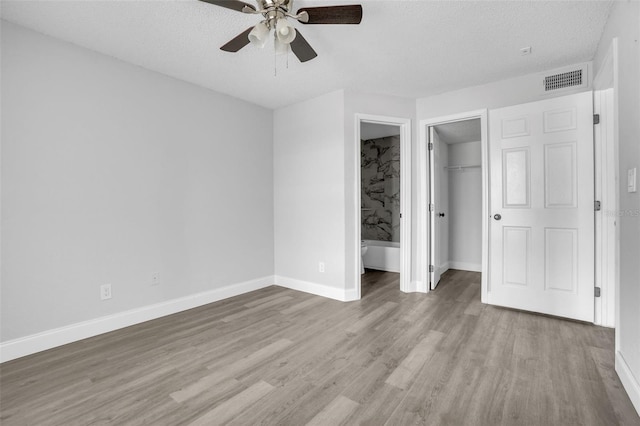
[363,250]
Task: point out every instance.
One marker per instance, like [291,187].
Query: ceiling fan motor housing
[274,5]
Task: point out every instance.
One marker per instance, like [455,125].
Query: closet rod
[463,167]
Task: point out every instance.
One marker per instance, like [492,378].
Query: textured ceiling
[404,48]
[460,131]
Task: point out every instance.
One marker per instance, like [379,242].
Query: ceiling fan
[275,13]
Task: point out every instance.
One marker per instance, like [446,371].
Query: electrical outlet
[155,278]
[105,291]
[631,180]
[321,266]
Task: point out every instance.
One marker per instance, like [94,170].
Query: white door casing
[542,194]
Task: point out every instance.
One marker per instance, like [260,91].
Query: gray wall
[308,190]
[465,207]
[111,172]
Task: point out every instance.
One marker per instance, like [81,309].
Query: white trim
[38,342]
[423,229]
[606,178]
[405,197]
[605,77]
[629,381]
[465,266]
[606,173]
[317,289]
[443,268]
[416,287]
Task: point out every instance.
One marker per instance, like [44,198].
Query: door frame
[405,197]
[607,266]
[423,208]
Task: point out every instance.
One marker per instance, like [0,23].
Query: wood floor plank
[257,308]
[232,407]
[229,372]
[301,306]
[372,317]
[404,374]
[335,413]
[281,357]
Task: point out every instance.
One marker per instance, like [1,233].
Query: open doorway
[453,225]
[455,157]
[380,201]
[383,197]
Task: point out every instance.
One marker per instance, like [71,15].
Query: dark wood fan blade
[230,4]
[351,14]
[237,43]
[302,49]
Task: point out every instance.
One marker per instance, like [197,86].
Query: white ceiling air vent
[563,80]
[566,79]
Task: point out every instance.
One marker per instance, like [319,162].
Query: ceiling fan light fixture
[285,32]
[259,34]
[280,47]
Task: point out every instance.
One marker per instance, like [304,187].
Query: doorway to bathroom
[384,196]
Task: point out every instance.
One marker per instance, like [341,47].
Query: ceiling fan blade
[230,4]
[237,43]
[302,49]
[350,14]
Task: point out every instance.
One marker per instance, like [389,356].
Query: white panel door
[439,236]
[541,254]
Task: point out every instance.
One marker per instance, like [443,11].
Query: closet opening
[455,201]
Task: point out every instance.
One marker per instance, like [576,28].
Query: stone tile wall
[380,202]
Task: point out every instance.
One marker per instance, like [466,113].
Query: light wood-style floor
[281,357]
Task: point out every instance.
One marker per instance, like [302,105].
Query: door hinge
[597,291]
[430,146]
[431,269]
[432,207]
[597,206]
[596,118]
[400,215]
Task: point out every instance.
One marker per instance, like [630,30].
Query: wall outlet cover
[105,291]
[632,177]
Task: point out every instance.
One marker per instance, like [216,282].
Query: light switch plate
[631,180]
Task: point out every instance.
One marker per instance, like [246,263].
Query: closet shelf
[463,167]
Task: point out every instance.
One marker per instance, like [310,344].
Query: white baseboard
[629,380]
[315,288]
[442,268]
[464,266]
[28,345]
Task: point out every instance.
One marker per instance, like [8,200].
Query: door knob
[441,214]
[497,217]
